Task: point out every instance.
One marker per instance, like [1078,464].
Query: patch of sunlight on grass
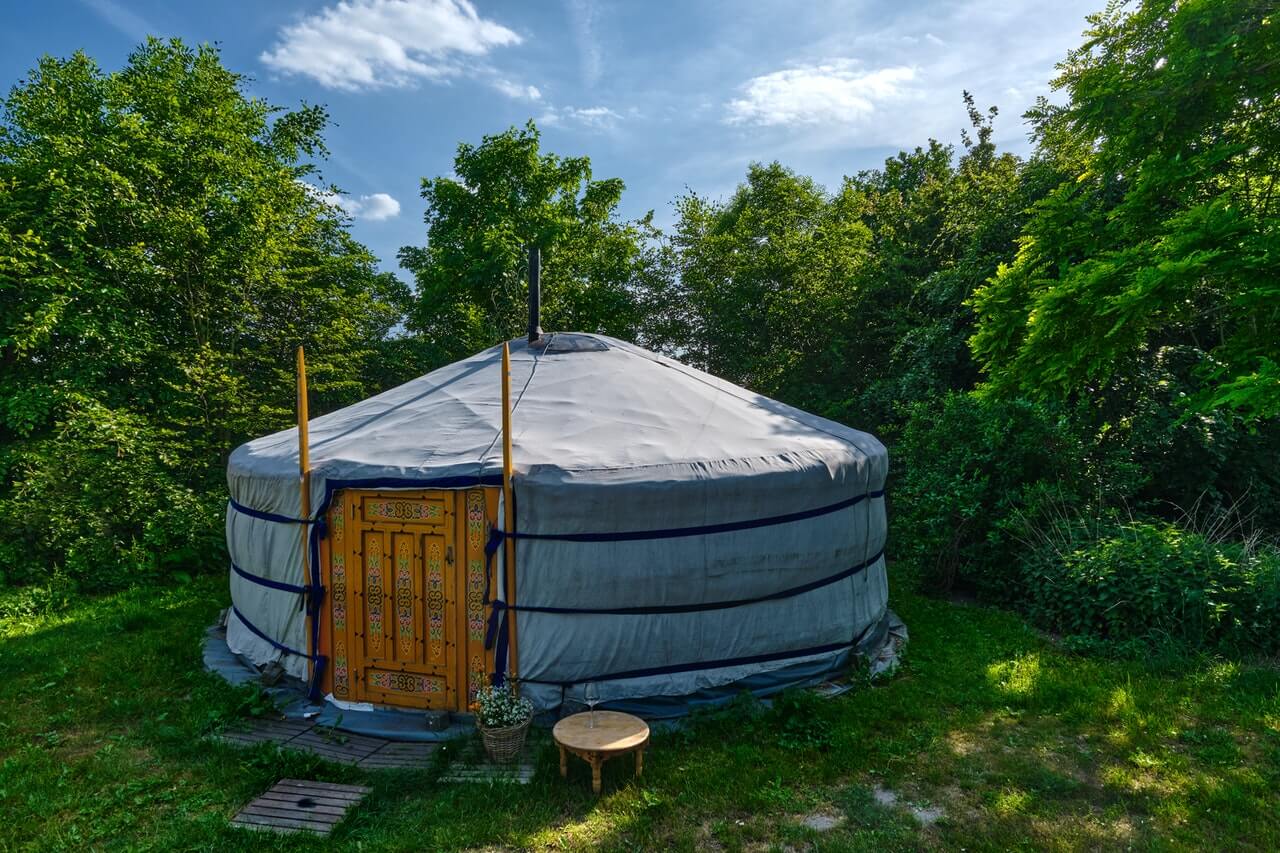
[1011,801]
[961,743]
[1160,781]
[604,822]
[1015,677]
[1121,703]
[1118,737]
[1222,672]
[1141,758]
[1085,832]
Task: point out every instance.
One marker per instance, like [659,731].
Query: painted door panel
[404,612]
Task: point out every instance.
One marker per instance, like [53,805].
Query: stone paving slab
[393,756]
[303,736]
[473,765]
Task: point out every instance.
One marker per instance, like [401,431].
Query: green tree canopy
[765,278]
[504,196]
[1164,239]
[160,258]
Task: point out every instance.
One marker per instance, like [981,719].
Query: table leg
[564,763]
[640,762]
[596,763]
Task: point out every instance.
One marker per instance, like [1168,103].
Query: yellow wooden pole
[508,513]
[304,470]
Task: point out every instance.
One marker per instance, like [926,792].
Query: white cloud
[593,117]
[582,19]
[517,91]
[932,39]
[129,24]
[376,207]
[373,208]
[838,92]
[366,44]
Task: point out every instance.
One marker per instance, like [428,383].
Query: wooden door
[404,615]
[395,606]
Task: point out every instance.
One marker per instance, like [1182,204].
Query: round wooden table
[615,733]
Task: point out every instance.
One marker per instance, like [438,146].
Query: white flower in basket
[503,719]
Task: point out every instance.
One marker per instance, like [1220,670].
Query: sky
[669,95]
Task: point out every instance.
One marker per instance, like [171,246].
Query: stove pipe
[535,294]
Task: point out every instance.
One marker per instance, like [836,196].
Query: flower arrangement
[500,707]
[503,719]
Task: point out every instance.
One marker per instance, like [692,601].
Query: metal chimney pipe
[535,294]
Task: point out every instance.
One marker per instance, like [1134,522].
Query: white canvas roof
[586,405]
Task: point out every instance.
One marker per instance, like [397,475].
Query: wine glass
[591,694]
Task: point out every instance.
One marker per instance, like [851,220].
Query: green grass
[103,709]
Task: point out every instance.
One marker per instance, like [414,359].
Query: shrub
[1137,584]
[969,467]
[102,500]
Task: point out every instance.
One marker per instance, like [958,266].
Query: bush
[102,501]
[970,467]
[1140,584]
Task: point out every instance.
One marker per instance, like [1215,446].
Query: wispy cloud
[368,44]
[124,21]
[839,92]
[599,118]
[374,207]
[582,20]
[517,91]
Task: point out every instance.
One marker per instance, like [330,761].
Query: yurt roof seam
[498,432]
[857,454]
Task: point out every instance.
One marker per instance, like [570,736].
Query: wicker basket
[504,744]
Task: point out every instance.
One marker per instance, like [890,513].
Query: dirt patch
[925,815]
[822,821]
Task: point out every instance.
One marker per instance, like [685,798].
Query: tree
[853,302]
[766,280]
[505,196]
[1165,238]
[160,258]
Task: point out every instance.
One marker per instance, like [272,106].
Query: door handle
[448,555]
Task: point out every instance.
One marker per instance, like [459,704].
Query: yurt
[670,539]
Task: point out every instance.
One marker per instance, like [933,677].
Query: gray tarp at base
[290,698]
[881,648]
[610,439]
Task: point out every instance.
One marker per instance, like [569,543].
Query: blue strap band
[697,665]
[643,610]
[254,629]
[700,530]
[268,582]
[265,516]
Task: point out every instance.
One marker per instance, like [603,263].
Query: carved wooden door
[393,608]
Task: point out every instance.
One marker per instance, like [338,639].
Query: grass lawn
[104,708]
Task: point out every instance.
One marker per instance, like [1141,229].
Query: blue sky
[665,95]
